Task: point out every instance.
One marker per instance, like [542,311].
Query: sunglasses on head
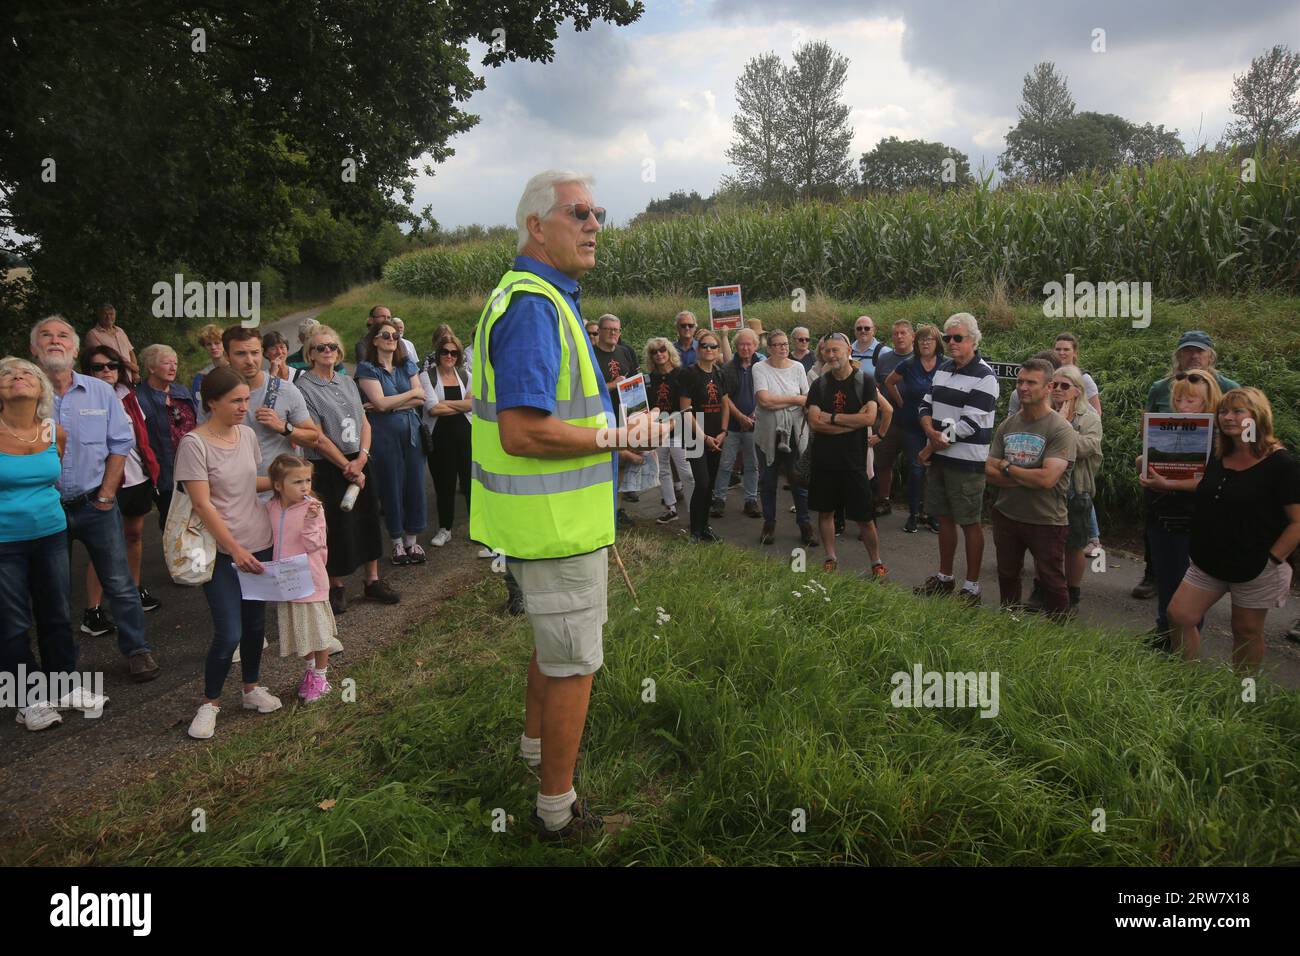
[326,347]
[958,338]
[1196,377]
[581,210]
[105,366]
[450,353]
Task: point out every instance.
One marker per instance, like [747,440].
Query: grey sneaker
[585,826]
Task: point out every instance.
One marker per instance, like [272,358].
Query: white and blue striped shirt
[967,396]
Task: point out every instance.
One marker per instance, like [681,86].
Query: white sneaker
[84,700]
[335,647]
[1093,549]
[261,700]
[236,658]
[441,538]
[38,716]
[486,552]
[204,724]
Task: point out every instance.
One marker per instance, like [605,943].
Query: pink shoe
[318,688]
[305,686]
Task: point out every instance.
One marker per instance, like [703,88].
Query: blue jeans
[913,443]
[101,533]
[398,468]
[235,623]
[1170,558]
[742,442]
[35,576]
[784,464]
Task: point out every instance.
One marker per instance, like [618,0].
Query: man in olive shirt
[1029,463]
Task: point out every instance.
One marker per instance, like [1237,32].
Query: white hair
[76,339]
[799,328]
[746,333]
[539,197]
[967,320]
[153,354]
[304,329]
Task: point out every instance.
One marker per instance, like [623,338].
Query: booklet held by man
[1176,445]
[632,396]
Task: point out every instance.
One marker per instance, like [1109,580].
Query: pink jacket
[302,535]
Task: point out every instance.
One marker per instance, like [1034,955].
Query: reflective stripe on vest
[540,507]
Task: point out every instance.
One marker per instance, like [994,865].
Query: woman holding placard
[217,466]
[1245,524]
[703,386]
[1171,504]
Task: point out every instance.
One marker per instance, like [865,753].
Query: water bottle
[350,497]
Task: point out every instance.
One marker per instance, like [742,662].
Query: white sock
[972,586]
[944,577]
[320,671]
[398,541]
[530,746]
[554,811]
[409,540]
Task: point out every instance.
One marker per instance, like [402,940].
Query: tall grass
[1190,227]
[770,696]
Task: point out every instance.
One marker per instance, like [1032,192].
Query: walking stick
[626,579]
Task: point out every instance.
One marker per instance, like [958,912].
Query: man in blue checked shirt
[99,438]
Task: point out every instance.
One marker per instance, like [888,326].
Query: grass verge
[771,694]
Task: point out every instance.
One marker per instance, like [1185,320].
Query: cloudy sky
[647,109]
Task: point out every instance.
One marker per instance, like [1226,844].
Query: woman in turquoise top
[34,570]
[390,385]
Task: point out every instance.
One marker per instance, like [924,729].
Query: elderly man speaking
[543,478]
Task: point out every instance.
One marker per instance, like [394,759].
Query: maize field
[1190,227]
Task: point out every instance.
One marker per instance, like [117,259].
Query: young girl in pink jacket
[306,624]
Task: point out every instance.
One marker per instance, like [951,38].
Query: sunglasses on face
[686,325]
[450,353]
[1061,386]
[1196,377]
[659,351]
[779,344]
[105,366]
[581,210]
[865,328]
[801,338]
[326,347]
[958,338]
[708,345]
[388,336]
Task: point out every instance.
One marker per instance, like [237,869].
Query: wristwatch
[1006,468]
[288,429]
[833,418]
[109,501]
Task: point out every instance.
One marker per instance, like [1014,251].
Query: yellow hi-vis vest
[539,507]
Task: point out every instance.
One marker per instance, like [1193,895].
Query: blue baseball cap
[1196,340]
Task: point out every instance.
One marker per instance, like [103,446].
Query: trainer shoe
[933,586]
[143,667]
[147,601]
[883,507]
[317,688]
[441,538]
[94,623]
[584,826]
[668,516]
[752,510]
[912,525]
[1146,588]
[707,536]
[485,552]
[415,554]
[879,571]
[378,591]
[261,700]
[86,701]
[970,598]
[204,724]
[717,509]
[932,523]
[38,716]
[399,554]
[305,683]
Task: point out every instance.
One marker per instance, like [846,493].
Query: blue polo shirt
[97,426]
[688,356]
[525,348]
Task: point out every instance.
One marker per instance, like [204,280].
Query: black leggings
[704,469]
[449,454]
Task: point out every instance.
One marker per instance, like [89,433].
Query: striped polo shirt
[969,397]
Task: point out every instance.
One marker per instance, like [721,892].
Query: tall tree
[815,156]
[1033,143]
[140,135]
[1267,98]
[759,123]
[896,165]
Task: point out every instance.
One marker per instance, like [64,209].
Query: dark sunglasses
[326,347]
[801,338]
[1061,386]
[449,352]
[686,325]
[388,336]
[105,366]
[708,345]
[865,328]
[582,210]
[659,351]
[958,338]
[1196,377]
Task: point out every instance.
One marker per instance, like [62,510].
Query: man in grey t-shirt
[279,420]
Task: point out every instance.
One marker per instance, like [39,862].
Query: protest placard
[632,396]
[725,310]
[1176,445]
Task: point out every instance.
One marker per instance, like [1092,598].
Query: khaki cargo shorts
[567,604]
[953,492]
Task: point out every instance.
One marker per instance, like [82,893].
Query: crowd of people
[286,453]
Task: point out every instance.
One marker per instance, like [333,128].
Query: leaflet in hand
[632,395]
[285,580]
